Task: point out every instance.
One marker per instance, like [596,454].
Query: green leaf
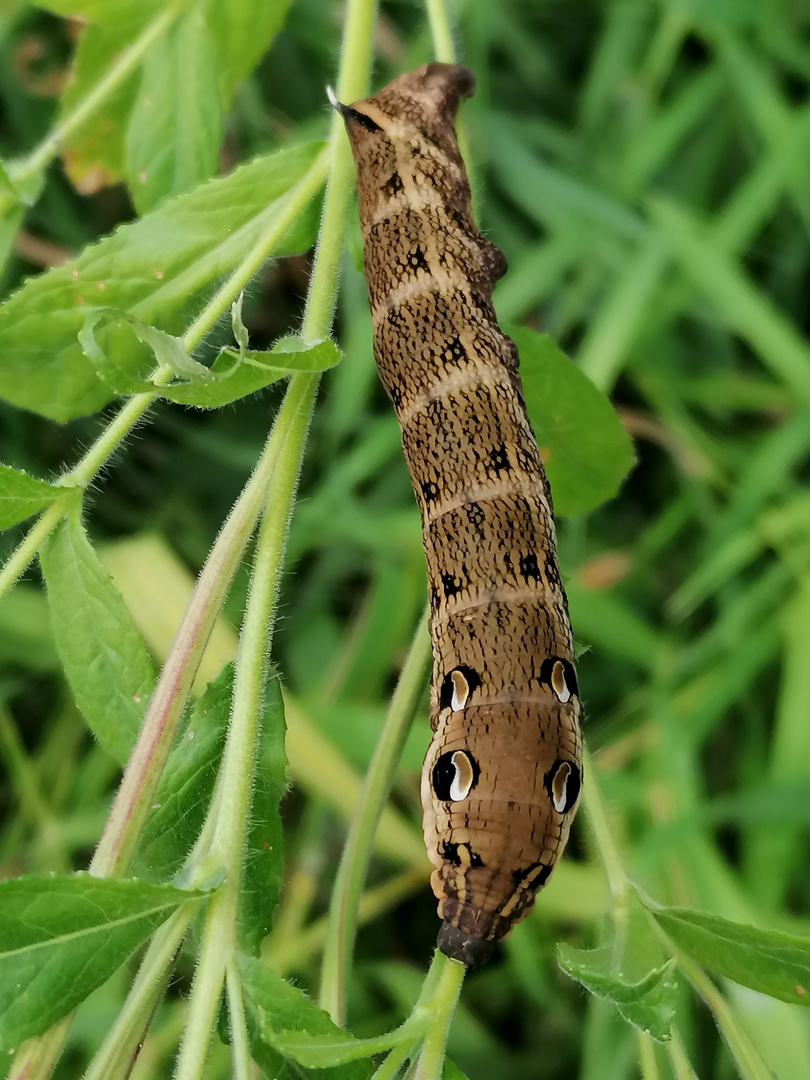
[236,376]
[451,1071]
[61,937]
[115,361]
[176,124]
[232,376]
[768,961]
[102,11]
[103,654]
[585,450]
[186,785]
[242,34]
[161,268]
[281,1009]
[261,876]
[94,153]
[628,971]
[22,495]
[648,1004]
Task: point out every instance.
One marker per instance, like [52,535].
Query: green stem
[393,1062]
[681,1066]
[117,73]
[219,935]
[343,911]
[355,62]
[748,1058]
[605,841]
[442,1006]
[440,32]
[647,1060]
[136,793]
[240,1047]
[115,1054]
[30,544]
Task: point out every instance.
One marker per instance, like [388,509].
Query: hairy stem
[219,935]
[442,1006]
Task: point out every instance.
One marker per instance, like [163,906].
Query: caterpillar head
[500,788]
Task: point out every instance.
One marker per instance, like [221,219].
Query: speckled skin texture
[503,690]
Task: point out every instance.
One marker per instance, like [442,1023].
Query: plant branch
[442,1005]
[343,910]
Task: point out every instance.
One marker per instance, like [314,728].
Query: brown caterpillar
[501,778]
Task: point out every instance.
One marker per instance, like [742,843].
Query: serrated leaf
[261,875]
[175,126]
[278,1007]
[161,268]
[61,937]
[585,450]
[186,785]
[629,970]
[242,34]
[102,652]
[648,1003]
[769,961]
[22,495]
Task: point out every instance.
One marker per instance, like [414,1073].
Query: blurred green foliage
[645,166]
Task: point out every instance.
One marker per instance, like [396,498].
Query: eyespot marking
[457,686]
[563,782]
[455,774]
[561,677]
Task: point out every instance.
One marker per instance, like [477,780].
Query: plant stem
[648,1063]
[240,1046]
[748,1058]
[605,841]
[30,544]
[440,32]
[117,73]
[219,935]
[442,1006]
[681,1066]
[232,807]
[136,793]
[343,910]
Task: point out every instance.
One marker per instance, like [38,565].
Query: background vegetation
[645,167]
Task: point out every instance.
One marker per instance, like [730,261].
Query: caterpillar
[502,775]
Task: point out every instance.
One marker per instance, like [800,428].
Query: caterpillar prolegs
[501,778]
